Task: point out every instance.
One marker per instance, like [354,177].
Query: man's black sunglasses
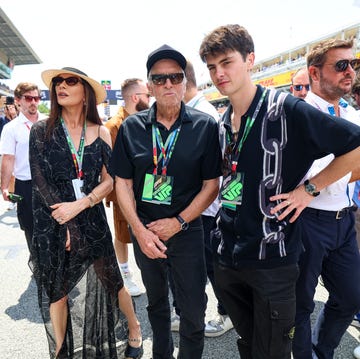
[342,65]
[70,81]
[160,79]
[300,87]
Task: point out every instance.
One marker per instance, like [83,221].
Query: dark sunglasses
[70,81]
[342,65]
[300,87]
[160,79]
[30,98]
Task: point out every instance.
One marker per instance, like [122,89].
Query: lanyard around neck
[248,125]
[166,150]
[78,155]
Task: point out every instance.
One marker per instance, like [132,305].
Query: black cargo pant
[261,304]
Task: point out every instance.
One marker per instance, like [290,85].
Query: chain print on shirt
[272,180]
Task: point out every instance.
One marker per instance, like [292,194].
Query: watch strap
[184,225]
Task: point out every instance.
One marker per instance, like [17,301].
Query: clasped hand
[151,239]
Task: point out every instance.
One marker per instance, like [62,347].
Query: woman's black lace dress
[88,273]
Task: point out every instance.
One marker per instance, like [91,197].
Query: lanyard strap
[248,125]
[166,150]
[78,155]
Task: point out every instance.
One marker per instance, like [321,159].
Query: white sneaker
[11,206]
[218,326]
[133,289]
[357,352]
[175,322]
[356,321]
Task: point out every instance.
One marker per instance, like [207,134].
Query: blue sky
[110,39]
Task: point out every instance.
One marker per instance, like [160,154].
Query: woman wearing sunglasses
[80,287]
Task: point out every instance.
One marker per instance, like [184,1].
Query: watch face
[184,226]
[311,187]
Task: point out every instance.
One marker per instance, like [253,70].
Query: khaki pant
[121,228]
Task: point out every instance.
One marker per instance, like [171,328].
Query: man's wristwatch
[183,224]
[311,188]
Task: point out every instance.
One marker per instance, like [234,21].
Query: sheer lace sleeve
[39,165]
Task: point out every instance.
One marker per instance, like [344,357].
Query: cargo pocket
[282,319]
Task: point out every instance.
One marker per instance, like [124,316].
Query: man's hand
[297,200]
[5,194]
[150,244]
[164,228]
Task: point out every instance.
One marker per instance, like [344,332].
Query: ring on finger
[288,203]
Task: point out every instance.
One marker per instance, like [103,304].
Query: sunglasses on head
[30,98]
[70,81]
[300,87]
[342,65]
[160,79]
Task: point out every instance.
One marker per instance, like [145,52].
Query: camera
[15,197]
[9,100]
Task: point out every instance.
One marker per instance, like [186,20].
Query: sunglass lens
[176,78]
[341,65]
[355,64]
[71,81]
[57,80]
[158,79]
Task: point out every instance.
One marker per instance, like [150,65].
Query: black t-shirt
[196,157]
[274,159]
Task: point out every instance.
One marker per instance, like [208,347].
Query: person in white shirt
[14,147]
[356,96]
[329,235]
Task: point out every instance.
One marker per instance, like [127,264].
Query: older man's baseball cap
[165,52]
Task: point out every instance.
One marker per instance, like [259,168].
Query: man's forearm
[126,201]
[338,168]
[7,168]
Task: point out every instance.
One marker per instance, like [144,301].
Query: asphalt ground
[22,334]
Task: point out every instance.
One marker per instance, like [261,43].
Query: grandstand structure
[276,71]
[14,50]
